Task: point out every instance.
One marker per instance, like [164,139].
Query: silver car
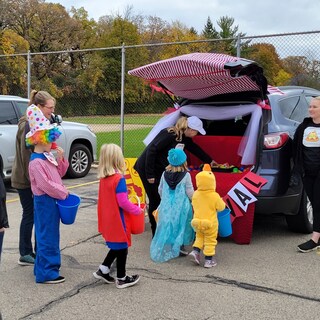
[77,140]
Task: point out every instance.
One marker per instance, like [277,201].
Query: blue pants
[46,223]
[26,225]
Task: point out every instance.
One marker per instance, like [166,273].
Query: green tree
[12,68]
[304,71]
[266,55]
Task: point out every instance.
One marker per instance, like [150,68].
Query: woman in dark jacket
[153,161]
[306,150]
[3,212]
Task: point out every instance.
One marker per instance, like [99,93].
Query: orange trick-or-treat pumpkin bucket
[137,222]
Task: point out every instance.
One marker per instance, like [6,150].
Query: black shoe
[308,246]
[56,280]
[127,282]
[105,277]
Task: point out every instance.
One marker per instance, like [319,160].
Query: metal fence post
[123,62]
[28,73]
[238,46]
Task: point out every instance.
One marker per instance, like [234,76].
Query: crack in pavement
[52,303]
[212,280]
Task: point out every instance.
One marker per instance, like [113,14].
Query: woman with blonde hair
[153,161]
[306,151]
[113,210]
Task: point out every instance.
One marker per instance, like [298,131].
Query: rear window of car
[288,105]
[22,106]
[7,113]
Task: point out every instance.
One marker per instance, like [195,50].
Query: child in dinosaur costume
[206,202]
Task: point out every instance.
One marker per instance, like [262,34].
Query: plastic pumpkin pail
[68,208]
[225,227]
[137,223]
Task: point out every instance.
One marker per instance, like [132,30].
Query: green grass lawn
[133,141]
[148,119]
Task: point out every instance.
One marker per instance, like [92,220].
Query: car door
[8,129]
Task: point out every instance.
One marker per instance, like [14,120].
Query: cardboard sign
[253,182]
[241,196]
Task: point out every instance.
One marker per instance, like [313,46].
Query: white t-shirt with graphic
[311,149]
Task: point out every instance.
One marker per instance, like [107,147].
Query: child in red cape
[114,208]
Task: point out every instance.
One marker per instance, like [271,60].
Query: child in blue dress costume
[174,229]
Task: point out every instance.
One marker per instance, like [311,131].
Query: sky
[254,17]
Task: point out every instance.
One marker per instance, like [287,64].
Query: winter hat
[177,157]
[41,130]
[196,124]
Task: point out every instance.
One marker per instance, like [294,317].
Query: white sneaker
[195,256]
[210,263]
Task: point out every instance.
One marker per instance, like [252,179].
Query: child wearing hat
[45,173]
[174,229]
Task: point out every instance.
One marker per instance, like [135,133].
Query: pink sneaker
[195,256]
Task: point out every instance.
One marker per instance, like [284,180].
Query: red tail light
[275,140]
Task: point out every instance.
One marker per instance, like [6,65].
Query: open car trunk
[229,95]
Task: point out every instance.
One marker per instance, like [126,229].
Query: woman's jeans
[26,225]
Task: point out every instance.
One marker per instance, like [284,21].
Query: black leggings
[312,187]
[154,199]
[121,256]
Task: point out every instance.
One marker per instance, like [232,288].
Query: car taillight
[275,140]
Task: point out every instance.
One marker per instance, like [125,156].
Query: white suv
[77,140]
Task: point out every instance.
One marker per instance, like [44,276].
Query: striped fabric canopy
[197,75]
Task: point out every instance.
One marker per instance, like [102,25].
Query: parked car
[221,90]
[77,140]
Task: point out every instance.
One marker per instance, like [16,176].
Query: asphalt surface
[267,279]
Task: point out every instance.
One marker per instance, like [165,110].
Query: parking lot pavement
[267,279]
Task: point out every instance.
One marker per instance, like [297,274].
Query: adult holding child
[153,161]
[20,176]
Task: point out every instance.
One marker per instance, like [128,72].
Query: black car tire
[303,221]
[80,160]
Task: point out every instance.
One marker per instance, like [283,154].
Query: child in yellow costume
[206,202]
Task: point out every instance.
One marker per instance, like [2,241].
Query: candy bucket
[68,208]
[137,221]
[225,227]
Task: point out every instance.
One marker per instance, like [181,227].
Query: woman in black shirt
[306,149]
[153,161]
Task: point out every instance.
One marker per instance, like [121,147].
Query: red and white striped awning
[196,75]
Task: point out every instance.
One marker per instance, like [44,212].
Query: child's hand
[142,207]
[60,153]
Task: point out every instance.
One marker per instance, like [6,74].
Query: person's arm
[297,140]
[45,183]
[24,151]
[197,151]
[220,205]
[122,198]
[189,186]
[63,163]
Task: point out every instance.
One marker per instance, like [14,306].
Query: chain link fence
[92,86]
